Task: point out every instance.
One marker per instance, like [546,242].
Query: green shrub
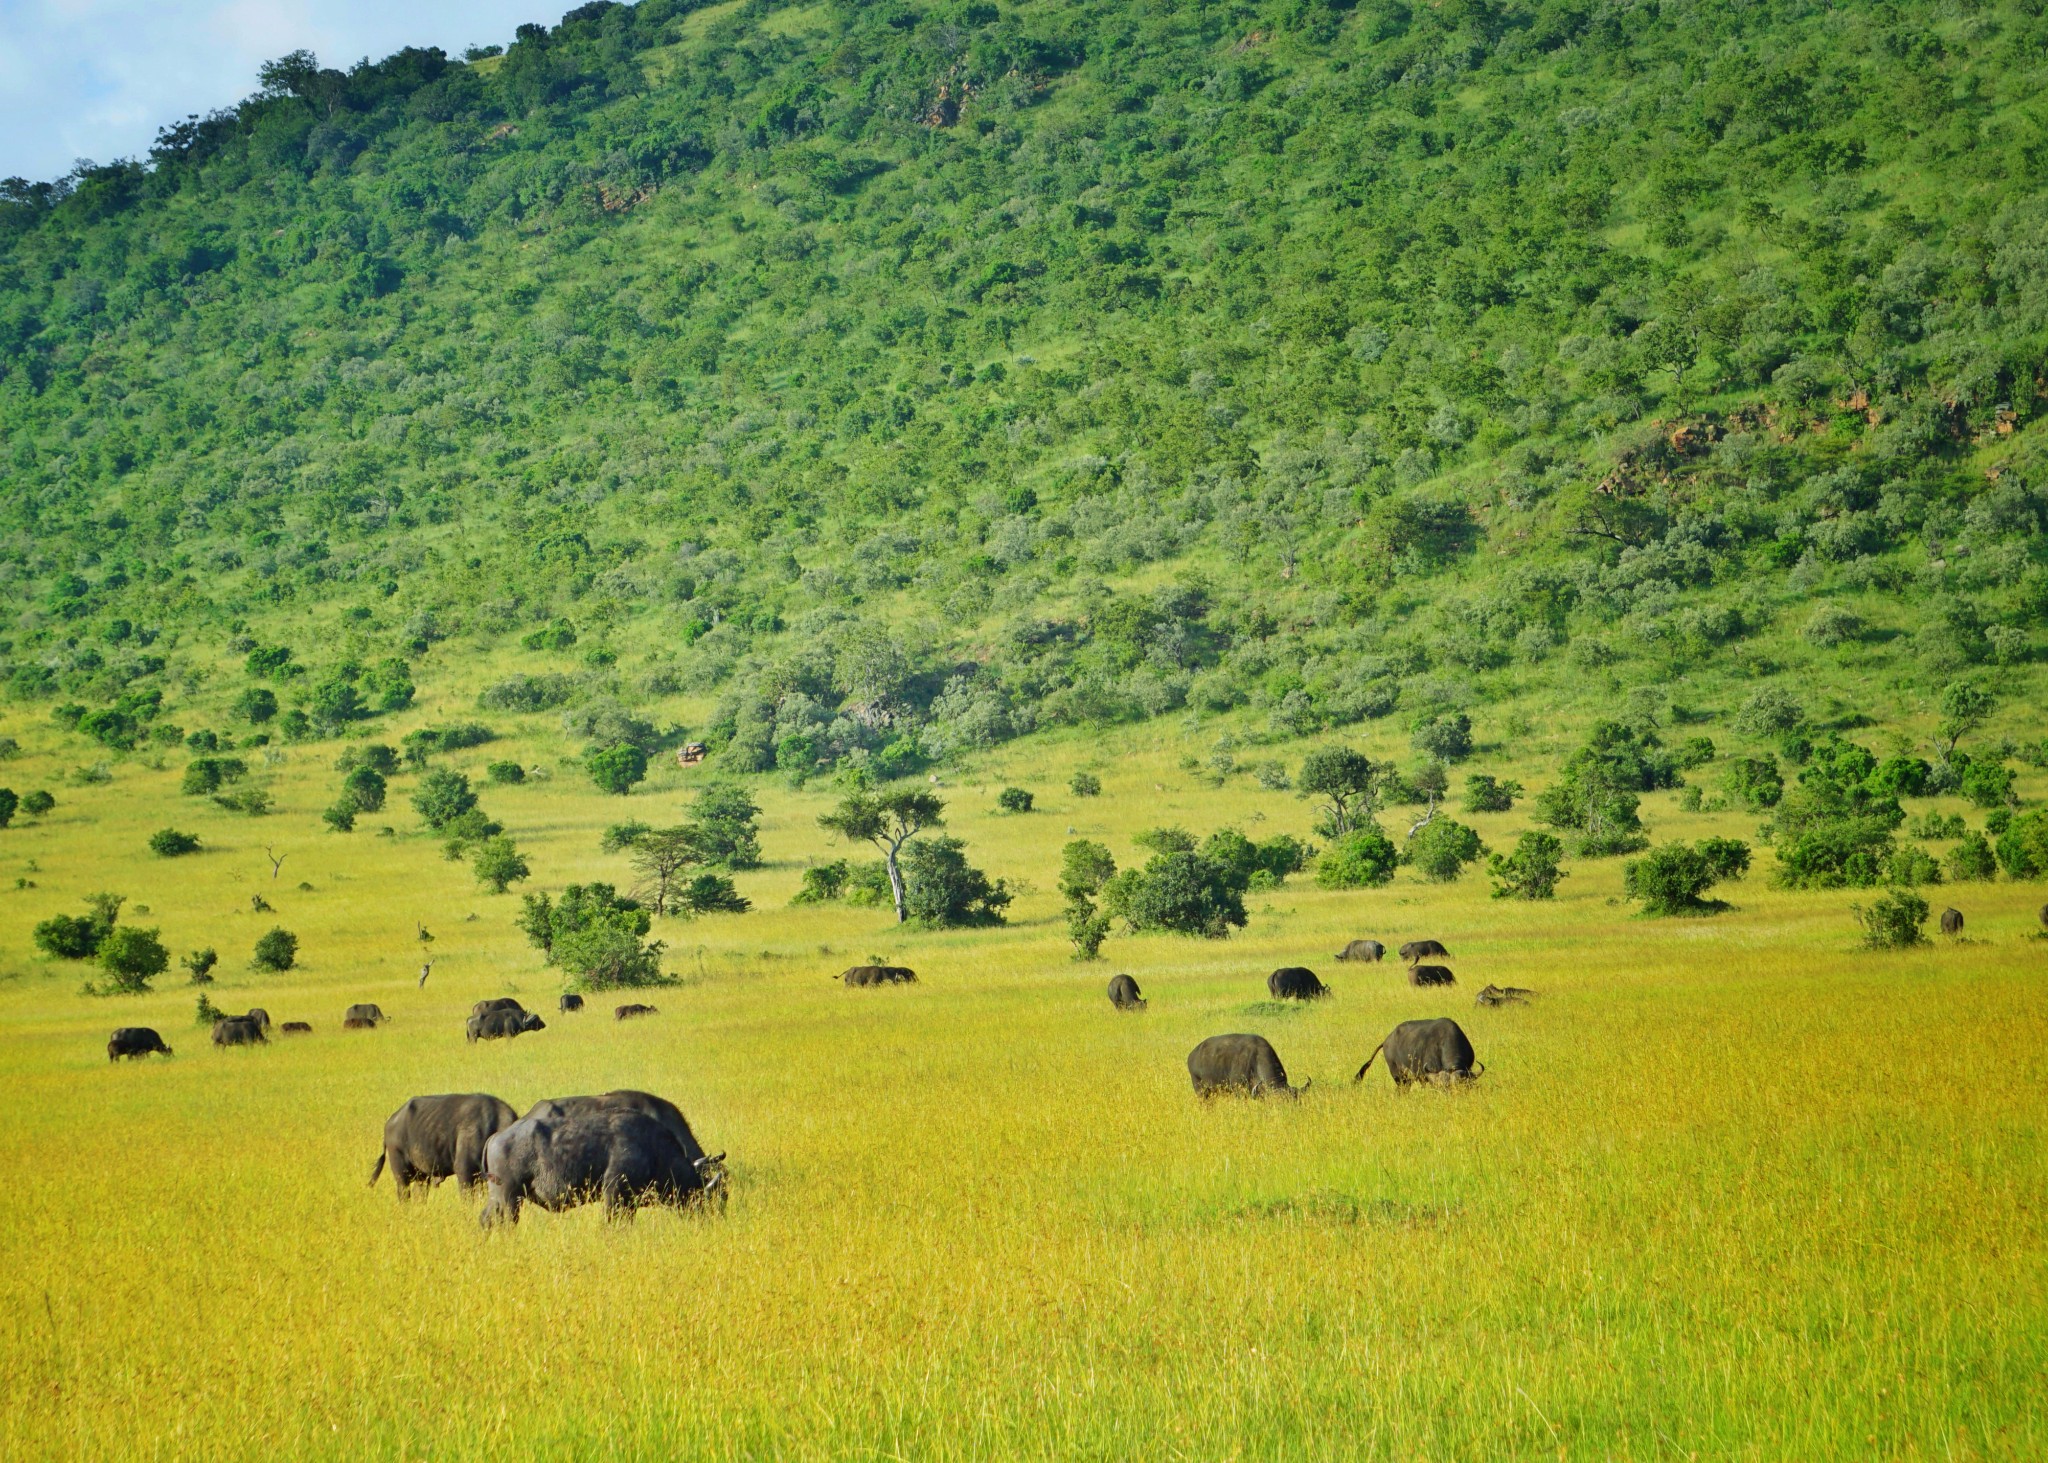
[621,836]
[276,950]
[595,935]
[1971,860]
[1531,871]
[365,787]
[1485,793]
[1755,782]
[617,769]
[941,889]
[1674,879]
[1085,785]
[822,883]
[1444,738]
[1911,866]
[1180,892]
[506,774]
[170,843]
[1986,783]
[2023,846]
[207,775]
[443,795]
[497,863]
[199,964]
[1892,921]
[131,958]
[710,894]
[37,803]
[1441,848]
[69,937]
[1362,859]
[340,815]
[9,801]
[1014,800]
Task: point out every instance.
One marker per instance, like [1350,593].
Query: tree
[1085,785]
[1674,879]
[2023,846]
[887,819]
[1014,800]
[1343,779]
[1971,860]
[8,803]
[595,935]
[1485,793]
[618,768]
[1770,711]
[942,890]
[170,843]
[498,864]
[1182,893]
[36,803]
[335,701]
[443,795]
[276,950]
[69,937]
[1444,738]
[1085,867]
[364,787]
[1755,782]
[506,773]
[1892,921]
[1364,858]
[1531,871]
[711,894]
[199,963]
[1964,707]
[340,815]
[1834,829]
[660,857]
[1441,849]
[131,957]
[723,826]
[256,705]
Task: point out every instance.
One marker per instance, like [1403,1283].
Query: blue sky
[97,78]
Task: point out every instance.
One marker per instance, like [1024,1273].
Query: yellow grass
[1729,1189]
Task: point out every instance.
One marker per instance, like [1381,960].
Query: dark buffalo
[879,975]
[1416,950]
[631,1012]
[365,1012]
[560,1159]
[1431,975]
[1426,1051]
[260,1016]
[1504,995]
[237,1031]
[1368,950]
[134,1041]
[1296,983]
[501,1003]
[572,1002]
[433,1138]
[664,1112]
[493,1024]
[358,1023]
[1123,994]
[296,1028]
[1239,1063]
[1951,922]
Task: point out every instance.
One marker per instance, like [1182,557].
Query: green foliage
[1964,707]
[199,964]
[1343,781]
[443,795]
[256,705]
[207,775]
[506,774]
[711,894]
[377,757]
[595,935]
[1834,828]
[1755,782]
[1442,848]
[821,883]
[1770,711]
[277,949]
[1085,868]
[621,836]
[1485,793]
[364,787]
[559,635]
[130,958]
[1531,871]
[170,843]
[1445,738]
[1892,921]
[497,863]
[69,937]
[35,804]
[204,1012]
[1179,891]
[1971,860]
[1675,878]
[942,890]
[617,769]
[1364,858]
[1085,785]
[2023,846]
[250,800]
[1014,800]
[723,828]
[9,801]
[887,819]
[1988,784]
[1909,866]
[340,815]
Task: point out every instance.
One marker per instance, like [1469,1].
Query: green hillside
[847,382]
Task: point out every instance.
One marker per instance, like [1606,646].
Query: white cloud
[97,78]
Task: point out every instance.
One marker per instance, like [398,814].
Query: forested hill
[905,376]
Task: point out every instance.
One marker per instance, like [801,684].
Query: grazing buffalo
[632,1012]
[134,1041]
[296,1028]
[1426,1051]
[1951,922]
[1239,1063]
[501,1003]
[357,1023]
[1431,975]
[237,1031]
[1368,950]
[572,1002]
[879,975]
[1296,983]
[1504,995]
[660,1109]
[1416,950]
[260,1016]
[493,1024]
[367,1011]
[1123,994]
[561,1159]
[433,1138]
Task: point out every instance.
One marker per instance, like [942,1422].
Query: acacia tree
[1343,779]
[660,858]
[888,820]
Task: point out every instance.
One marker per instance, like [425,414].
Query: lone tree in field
[1343,779]
[1084,868]
[1674,879]
[277,950]
[1965,707]
[887,819]
[617,769]
[661,856]
[498,863]
[131,957]
[1531,871]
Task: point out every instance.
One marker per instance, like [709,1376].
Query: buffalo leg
[618,1202]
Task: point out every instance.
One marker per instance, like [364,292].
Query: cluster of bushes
[129,957]
[598,937]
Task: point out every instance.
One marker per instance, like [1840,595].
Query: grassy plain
[1731,1188]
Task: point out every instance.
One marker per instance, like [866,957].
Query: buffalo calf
[296,1028]
[1416,950]
[572,1002]
[865,975]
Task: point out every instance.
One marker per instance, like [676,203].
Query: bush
[1179,891]
[443,795]
[69,937]
[1770,711]
[1893,920]
[9,801]
[1014,800]
[170,843]
[341,816]
[941,889]
[1901,776]
[617,769]
[256,705]
[1830,626]
[596,936]
[1362,859]
[1912,867]
[1987,784]
[1531,871]
[1441,848]
[1675,878]
[37,803]
[498,864]
[1085,785]
[365,788]
[710,894]
[204,1012]
[131,957]
[506,774]
[207,775]
[275,951]
[1755,782]
[621,836]
[253,801]
[1971,860]
[2023,846]
[1444,738]
[376,756]
[1485,793]
[199,965]
[528,693]
[822,883]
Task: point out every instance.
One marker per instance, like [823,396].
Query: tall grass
[1730,1188]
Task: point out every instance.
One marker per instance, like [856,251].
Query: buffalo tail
[376,1170]
[1360,1077]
